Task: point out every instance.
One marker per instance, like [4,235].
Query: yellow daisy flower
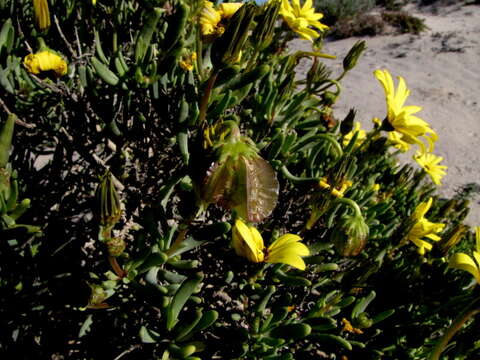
[464,262]
[187,61]
[45,61]
[424,228]
[402,118]
[210,20]
[362,134]
[299,19]
[287,249]
[430,163]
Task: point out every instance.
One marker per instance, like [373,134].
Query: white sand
[442,69]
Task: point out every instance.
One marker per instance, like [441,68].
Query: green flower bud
[347,124]
[108,205]
[228,48]
[116,246]
[350,61]
[98,295]
[363,321]
[329,98]
[450,240]
[350,235]
[263,34]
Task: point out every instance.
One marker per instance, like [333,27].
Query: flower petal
[289,259]
[464,262]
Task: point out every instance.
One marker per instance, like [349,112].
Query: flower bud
[350,235]
[108,205]
[98,294]
[116,246]
[329,98]
[350,61]
[347,124]
[362,321]
[42,14]
[451,239]
[226,50]
[263,34]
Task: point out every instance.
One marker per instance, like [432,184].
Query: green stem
[330,83]
[294,178]
[199,55]
[352,204]
[183,232]
[332,142]
[206,97]
[453,329]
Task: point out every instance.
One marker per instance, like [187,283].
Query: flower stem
[453,329]
[206,97]
[352,204]
[333,142]
[294,178]
[116,267]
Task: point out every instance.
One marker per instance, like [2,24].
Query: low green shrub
[169,189]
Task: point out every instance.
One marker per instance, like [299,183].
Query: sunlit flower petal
[247,242]
[362,135]
[227,10]
[464,262]
[430,163]
[287,249]
[401,117]
[301,18]
[423,228]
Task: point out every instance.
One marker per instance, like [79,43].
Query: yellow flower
[42,14]
[376,187]
[45,61]
[227,10]
[397,139]
[362,134]
[287,249]
[210,20]
[337,192]
[430,163]
[402,118]
[187,61]
[300,18]
[423,228]
[464,262]
[348,327]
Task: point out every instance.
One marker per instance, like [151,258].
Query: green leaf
[180,298]
[148,336]
[86,326]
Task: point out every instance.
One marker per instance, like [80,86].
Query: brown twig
[63,37]
[18,121]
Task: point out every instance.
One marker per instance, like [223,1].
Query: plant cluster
[169,189]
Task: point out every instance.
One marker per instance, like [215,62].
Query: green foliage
[405,22]
[134,165]
[342,9]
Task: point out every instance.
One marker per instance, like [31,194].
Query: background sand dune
[442,69]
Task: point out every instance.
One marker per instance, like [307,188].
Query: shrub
[405,22]
[169,191]
[361,25]
[335,11]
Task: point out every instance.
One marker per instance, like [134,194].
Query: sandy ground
[442,69]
